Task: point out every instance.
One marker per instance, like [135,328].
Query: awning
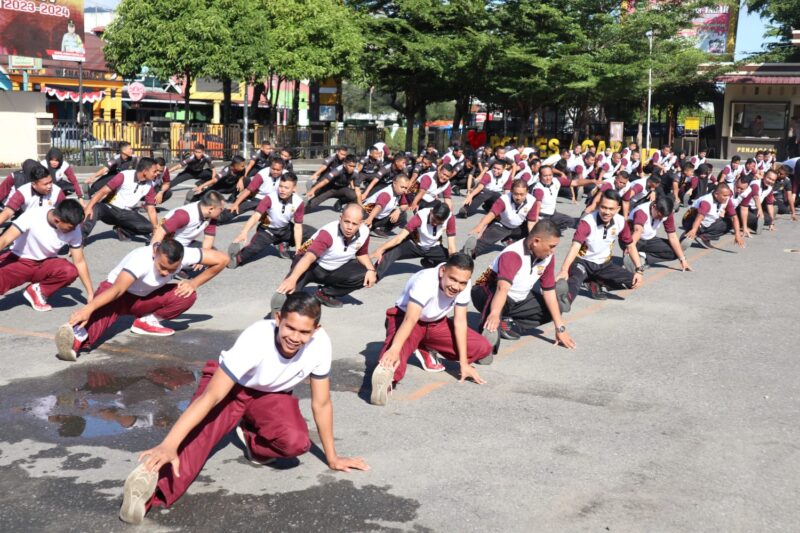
[760,80]
[73,95]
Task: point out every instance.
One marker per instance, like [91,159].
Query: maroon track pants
[439,335]
[51,274]
[272,424]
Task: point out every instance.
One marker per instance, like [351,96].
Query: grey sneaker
[470,245]
[276,303]
[494,340]
[139,488]
[759,225]
[685,243]
[65,343]
[687,197]
[233,253]
[562,295]
[248,453]
[381,385]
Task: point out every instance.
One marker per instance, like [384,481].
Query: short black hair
[519,184]
[735,159]
[289,176]
[266,142]
[287,150]
[460,261]
[37,172]
[653,181]
[665,203]
[350,158]
[161,161]
[612,194]
[145,163]
[237,159]
[440,210]
[123,144]
[546,228]
[70,211]
[624,174]
[303,304]
[172,249]
[686,166]
[278,161]
[199,146]
[447,167]
[212,198]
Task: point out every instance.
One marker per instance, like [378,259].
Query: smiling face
[453,280]
[608,208]
[294,332]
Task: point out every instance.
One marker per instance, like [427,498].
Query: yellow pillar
[216,115]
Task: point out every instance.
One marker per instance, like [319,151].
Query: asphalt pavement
[677,411]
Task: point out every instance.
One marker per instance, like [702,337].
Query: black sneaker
[122,235]
[338,206]
[506,330]
[456,191]
[596,291]
[283,251]
[462,213]
[703,241]
[326,300]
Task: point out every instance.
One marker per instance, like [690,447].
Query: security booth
[761,107]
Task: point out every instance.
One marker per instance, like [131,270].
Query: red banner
[50,29]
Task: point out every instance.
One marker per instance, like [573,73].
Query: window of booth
[759,119]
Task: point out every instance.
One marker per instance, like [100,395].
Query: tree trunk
[296,104]
[461,111]
[187,91]
[258,90]
[524,115]
[423,118]
[409,112]
[227,89]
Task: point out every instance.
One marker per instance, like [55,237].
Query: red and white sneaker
[429,362]
[35,297]
[149,325]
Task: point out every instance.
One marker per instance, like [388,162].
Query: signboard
[691,124]
[136,91]
[50,29]
[710,28]
[24,63]
[616,131]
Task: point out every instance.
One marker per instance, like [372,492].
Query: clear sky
[750,35]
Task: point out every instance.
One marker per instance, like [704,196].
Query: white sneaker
[381,385]
[248,453]
[139,488]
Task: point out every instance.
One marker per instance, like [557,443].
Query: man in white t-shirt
[191,222]
[519,289]
[139,286]
[337,258]
[418,324]
[249,389]
[37,236]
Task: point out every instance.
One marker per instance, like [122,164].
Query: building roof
[764,74]
[760,80]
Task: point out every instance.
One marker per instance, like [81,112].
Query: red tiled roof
[761,80]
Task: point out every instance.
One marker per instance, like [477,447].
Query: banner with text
[49,29]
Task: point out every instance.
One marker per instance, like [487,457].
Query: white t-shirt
[423,288]
[139,264]
[39,240]
[254,361]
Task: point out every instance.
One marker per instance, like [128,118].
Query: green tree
[170,37]
[784,15]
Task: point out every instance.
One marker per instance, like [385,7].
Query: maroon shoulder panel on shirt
[770,199]
[582,232]
[5,186]
[704,208]
[255,183]
[322,242]
[730,211]
[640,218]
[669,224]
[211,229]
[264,205]
[165,177]
[116,182]
[413,224]
[633,191]
[451,227]
[485,179]
[178,220]
[16,201]
[150,197]
[383,199]
[425,183]
[300,213]
[60,198]
[625,236]
[364,250]
[508,264]
[548,278]
[498,207]
[447,192]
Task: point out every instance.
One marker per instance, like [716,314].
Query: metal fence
[93,143]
